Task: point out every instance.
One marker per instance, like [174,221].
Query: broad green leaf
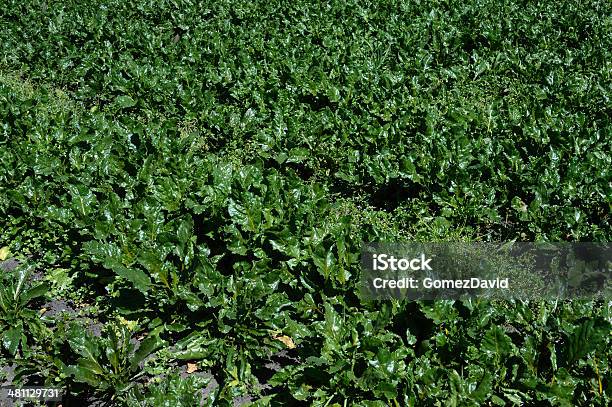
[124,101]
[147,346]
[11,339]
[139,278]
[34,292]
[325,262]
[23,274]
[83,373]
[586,337]
[90,366]
[84,345]
[496,342]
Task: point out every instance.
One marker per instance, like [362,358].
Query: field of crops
[185,187]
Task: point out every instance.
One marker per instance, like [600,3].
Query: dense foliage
[186,185]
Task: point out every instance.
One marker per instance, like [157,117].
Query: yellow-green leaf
[4,253]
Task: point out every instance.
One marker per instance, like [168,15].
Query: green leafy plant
[19,324]
[213,167]
[111,362]
[174,390]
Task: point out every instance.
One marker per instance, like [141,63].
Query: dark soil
[9,265]
[56,307]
